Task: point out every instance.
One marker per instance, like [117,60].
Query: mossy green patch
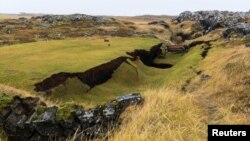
[65,110]
[4,100]
[185,67]
[40,109]
[71,89]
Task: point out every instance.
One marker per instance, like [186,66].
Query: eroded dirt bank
[148,57]
[91,77]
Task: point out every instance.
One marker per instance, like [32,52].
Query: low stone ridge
[238,30]
[58,27]
[22,121]
[211,20]
[54,19]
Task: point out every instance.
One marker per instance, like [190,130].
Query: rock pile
[211,20]
[22,121]
[238,30]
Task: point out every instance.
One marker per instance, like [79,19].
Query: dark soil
[206,50]
[91,77]
[148,57]
[195,43]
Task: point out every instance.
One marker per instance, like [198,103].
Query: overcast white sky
[120,7]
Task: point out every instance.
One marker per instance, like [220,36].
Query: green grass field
[21,66]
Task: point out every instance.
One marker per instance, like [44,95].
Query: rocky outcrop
[58,27]
[211,20]
[55,19]
[22,120]
[238,30]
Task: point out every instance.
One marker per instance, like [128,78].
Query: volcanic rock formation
[211,20]
[22,120]
[238,30]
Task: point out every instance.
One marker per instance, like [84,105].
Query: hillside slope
[206,81]
[220,95]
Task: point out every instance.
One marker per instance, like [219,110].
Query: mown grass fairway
[21,66]
[24,65]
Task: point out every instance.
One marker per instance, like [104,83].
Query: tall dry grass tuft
[166,115]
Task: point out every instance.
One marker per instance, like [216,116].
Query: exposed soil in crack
[195,43]
[102,73]
[91,77]
[148,57]
[205,52]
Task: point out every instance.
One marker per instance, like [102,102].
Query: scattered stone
[162,23]
[55,19]
[205,77]
[21,120]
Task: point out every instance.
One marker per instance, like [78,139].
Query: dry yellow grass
[166,115]
[229,87]
[172,115]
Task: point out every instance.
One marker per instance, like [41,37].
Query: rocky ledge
[238,30]
[211,20]
[23,120]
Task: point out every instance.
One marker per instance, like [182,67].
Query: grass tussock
[166,115]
